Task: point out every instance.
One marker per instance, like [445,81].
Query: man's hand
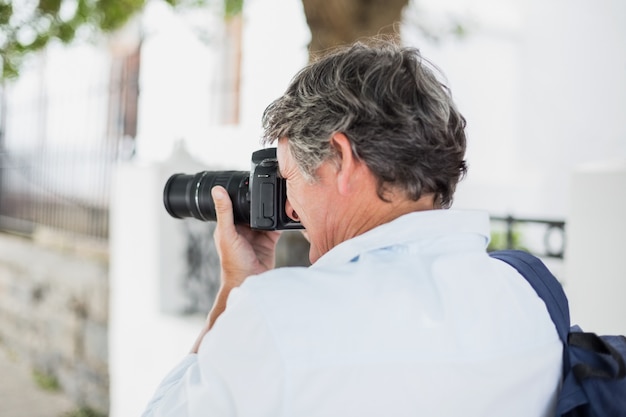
[243,252]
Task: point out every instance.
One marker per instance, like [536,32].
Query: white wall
[574,93]
[180,76]
[146,253]
[595,251]
[543,87]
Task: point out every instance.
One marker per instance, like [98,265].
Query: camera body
[268,193]
[258,196]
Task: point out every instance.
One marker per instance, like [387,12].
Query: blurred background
[101,292]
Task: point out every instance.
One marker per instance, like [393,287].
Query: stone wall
[54,312]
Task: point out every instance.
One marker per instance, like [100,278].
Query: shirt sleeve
[189,391]
[237,370]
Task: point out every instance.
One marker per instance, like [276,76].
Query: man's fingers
[223,207]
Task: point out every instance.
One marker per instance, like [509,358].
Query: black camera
[258,196]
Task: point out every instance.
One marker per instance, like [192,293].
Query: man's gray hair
[400,119]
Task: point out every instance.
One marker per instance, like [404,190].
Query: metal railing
[66,190]
[59,145]
[547,242]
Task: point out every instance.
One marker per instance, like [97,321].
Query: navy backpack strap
[594,385]
[548,288]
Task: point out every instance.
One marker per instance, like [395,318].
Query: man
[402,312]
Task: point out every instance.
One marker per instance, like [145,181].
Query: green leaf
[9,67]
[94,15]
[66,32]
[6,11]
[39,43]
[114,13]
[46,381]
[50,7]
[232,7]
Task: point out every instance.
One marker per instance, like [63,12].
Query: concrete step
[20,396]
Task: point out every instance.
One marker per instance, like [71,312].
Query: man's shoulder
[283,292]
[284,280]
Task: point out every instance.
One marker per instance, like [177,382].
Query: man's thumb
[223,205]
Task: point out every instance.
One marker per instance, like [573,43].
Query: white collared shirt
[412,318]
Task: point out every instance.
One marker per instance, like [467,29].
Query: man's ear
[346,161]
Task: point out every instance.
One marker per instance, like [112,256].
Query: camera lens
[190,195]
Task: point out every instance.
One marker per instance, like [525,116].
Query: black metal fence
[543,237]
[59,188]
[58,146]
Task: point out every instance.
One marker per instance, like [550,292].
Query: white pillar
[145,339]
[596,248]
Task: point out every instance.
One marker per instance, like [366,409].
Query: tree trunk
[340,22]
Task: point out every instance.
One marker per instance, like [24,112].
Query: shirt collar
[409,228]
